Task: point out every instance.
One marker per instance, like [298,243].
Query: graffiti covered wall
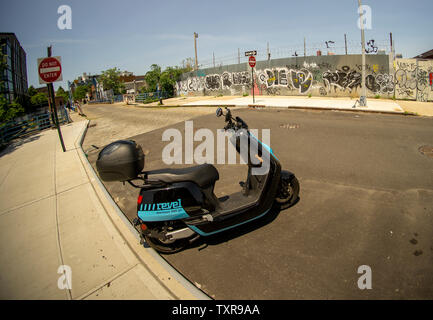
[317,76]
[414,79]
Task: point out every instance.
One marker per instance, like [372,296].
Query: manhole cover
[426,150]
[289,126]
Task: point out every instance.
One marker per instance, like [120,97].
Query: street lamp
[363,98]
[195,48]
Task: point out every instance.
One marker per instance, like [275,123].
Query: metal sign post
[252,64]
[50,70]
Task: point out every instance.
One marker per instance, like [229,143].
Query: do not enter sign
[49,70]
[252,61]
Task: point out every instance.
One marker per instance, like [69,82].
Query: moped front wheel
[288,191]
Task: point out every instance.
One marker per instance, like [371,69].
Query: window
[7,75]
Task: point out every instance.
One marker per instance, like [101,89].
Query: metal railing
[149,96]
[38,122]
[113,99]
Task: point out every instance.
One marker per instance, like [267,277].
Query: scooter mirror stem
[228,115]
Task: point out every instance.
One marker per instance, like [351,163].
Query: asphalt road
[366,199]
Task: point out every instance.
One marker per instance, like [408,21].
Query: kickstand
[204,246]
[247,184]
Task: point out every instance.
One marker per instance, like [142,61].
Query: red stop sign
[252,61]
[50,69]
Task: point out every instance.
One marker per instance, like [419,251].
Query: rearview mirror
[219,112]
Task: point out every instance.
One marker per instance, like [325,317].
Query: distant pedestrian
[80,111]
[66,111]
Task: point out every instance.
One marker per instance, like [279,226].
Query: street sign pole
[51,94]
[252,77]
[252,63]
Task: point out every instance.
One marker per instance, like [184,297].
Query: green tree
[39,99]
[166,79]
[31,91]
[169,78]
[152,77]
[8,111]
[81,91]
[62,93]
[111,80]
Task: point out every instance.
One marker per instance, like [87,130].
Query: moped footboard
[241,216]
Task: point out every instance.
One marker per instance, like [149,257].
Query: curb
[180,287]
[262,106]
[347,110]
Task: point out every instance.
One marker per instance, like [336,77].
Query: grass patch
[148,100]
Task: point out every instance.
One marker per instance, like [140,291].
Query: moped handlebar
[232,123]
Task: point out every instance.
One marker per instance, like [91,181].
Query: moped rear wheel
[288,191]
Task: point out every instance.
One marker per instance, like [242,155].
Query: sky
[132,35]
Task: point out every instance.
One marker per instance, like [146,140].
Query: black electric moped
[177,206]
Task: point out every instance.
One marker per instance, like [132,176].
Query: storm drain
[289,126]
[426,150]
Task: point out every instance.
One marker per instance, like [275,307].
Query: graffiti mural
[241,78]
[412,80]
[342,79]
[341,76]
[213,82]
[380,83]
[300,80]
[371,47]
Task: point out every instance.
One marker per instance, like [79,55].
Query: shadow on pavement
[16,143]
[225,236]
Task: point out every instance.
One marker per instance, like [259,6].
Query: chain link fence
[329,47]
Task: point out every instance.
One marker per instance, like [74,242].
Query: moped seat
[203,175]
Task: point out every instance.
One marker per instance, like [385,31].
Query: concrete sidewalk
[303,102]
[54,212]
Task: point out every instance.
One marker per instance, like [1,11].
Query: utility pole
[391,56]
[195,48]
[213,56]
[52,100]
[392,45]
[363,98]
[268,52]
[305,48]
[345,43]
[239,56]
